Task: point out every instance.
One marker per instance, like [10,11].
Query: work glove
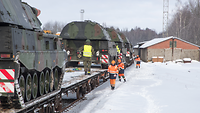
[115,75]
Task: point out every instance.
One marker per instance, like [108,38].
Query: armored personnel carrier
[115,37]
[74,35]
[129,48]
[31,62]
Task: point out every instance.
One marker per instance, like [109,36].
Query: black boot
[112,87]
[120,80]
[124,80]
[85,72]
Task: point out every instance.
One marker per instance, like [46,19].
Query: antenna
[82,11]
[165,17]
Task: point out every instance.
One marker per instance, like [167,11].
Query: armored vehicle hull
[75,34]
[121,50]
[129,48]
[31,62]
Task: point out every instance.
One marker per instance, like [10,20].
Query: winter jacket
[121,68]
[113,71]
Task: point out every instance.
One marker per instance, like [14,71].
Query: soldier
[137,61]
[87,56]
[112,71]
[121,70]
[118,50]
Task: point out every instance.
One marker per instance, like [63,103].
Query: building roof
[159,40]
[154,41]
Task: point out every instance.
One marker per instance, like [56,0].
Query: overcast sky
[124,14]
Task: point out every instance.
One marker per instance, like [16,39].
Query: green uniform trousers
[87,63]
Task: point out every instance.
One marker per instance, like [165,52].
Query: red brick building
[170,48]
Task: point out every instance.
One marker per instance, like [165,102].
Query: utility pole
[165,17]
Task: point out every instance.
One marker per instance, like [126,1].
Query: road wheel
[22,85]
[35,85]
[28,87]
[47,79]
[41,84]
[56,79]
[51,81]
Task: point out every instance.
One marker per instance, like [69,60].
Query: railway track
[91,83]
[74,84]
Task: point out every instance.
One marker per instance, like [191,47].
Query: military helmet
[87,41]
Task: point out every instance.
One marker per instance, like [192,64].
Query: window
[170,44]
[175,43]
[47,45]
[55,45]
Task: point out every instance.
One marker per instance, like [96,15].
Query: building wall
[164,49]
[190,53]
[168,54]
[144,55]
[135,51]
[162,45]
[155,53]
[184,45]
[182,50]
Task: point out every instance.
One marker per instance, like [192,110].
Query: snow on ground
[154,88]
[75,76]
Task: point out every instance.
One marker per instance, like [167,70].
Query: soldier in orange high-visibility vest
[121,70]
[112,71]
[137,61]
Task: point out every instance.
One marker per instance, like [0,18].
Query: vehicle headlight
[68,52]
[97,53]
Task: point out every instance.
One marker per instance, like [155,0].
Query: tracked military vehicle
[74,35]
[129,48]
[31,62]
[115,37]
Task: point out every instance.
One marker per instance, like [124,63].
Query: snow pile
[154,88]
[187,59]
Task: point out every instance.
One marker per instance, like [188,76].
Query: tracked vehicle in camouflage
[74,35]
[31,62]
[129,48]
[115,37]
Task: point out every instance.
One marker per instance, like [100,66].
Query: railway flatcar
[31,62]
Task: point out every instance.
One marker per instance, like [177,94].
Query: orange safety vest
[121,68]
[113,69]
[121,65]
[137,59]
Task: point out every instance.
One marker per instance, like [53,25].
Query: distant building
[170,48]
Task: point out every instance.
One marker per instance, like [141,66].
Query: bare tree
[54,27]
[185,23]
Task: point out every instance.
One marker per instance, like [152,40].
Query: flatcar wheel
[78,93]
[35,85]
[22,85]
[41,84]
[51,82]
[55,79]
[46,85]
[28,87]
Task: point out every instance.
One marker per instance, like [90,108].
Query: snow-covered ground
[154,88]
